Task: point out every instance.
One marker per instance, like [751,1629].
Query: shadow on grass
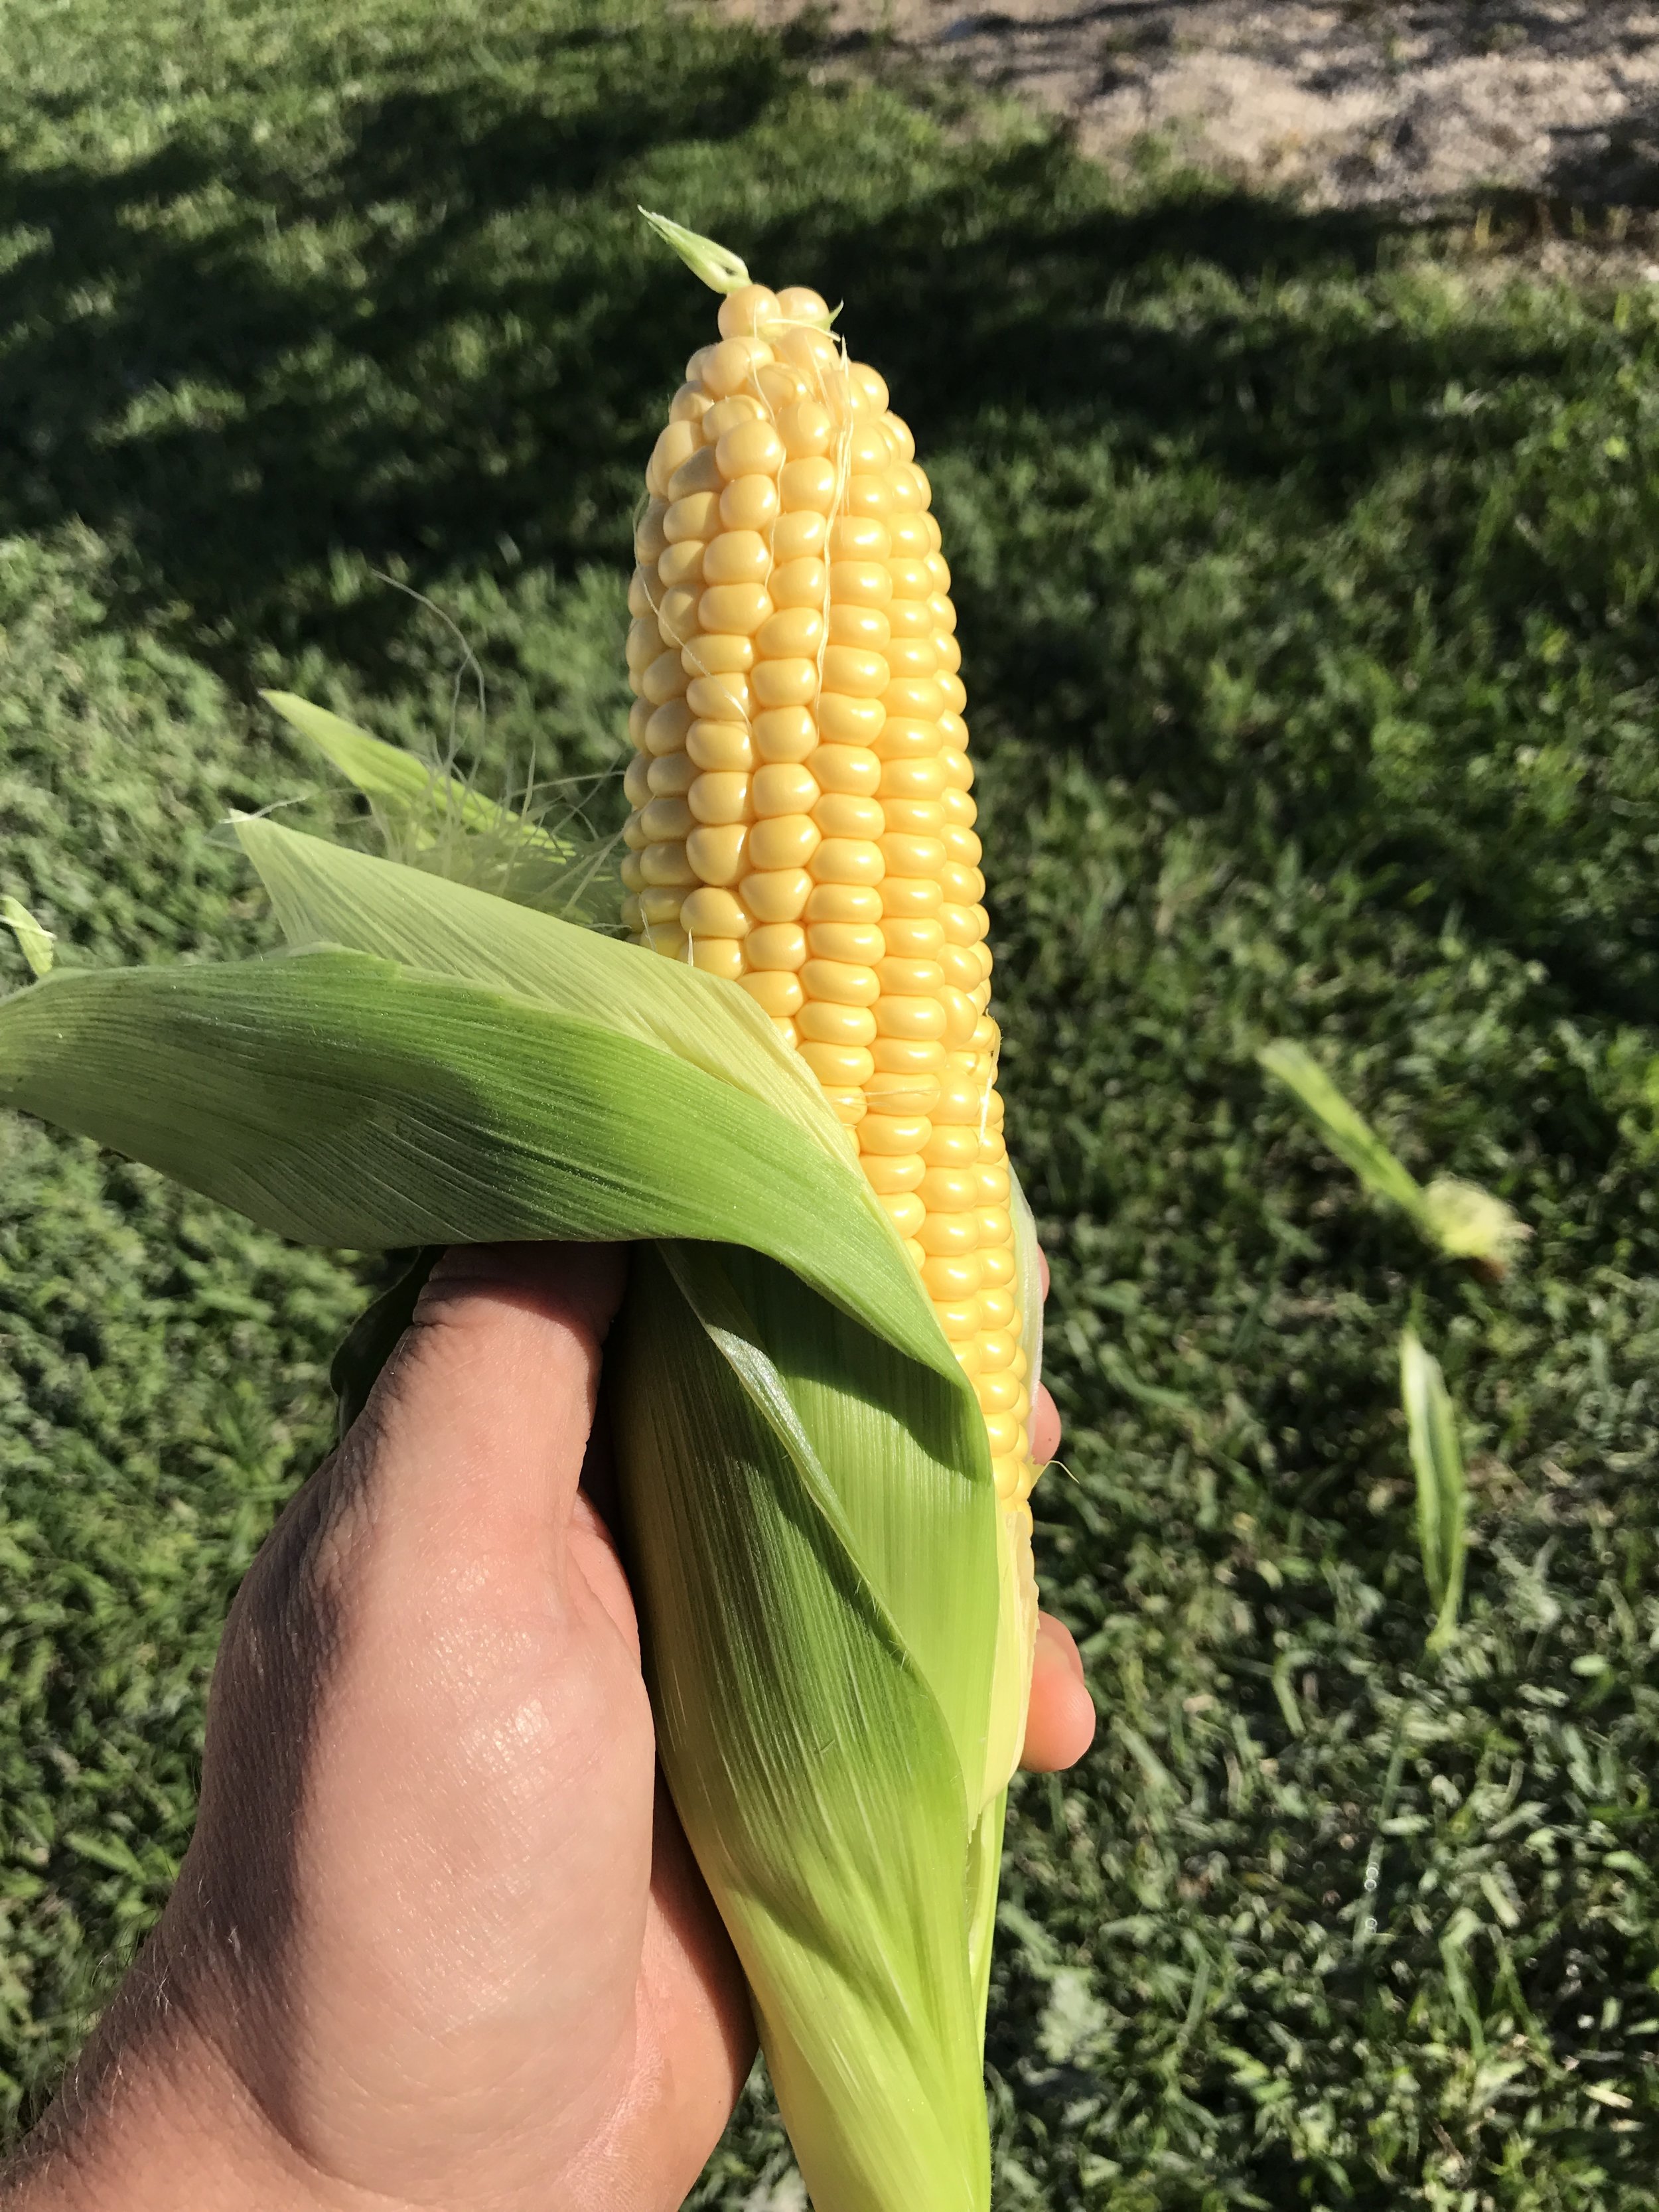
[433,333]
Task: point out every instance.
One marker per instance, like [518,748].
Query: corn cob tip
[717,265]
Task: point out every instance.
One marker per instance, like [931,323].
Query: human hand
[438,1941]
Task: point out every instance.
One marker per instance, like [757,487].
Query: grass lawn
[1307,576]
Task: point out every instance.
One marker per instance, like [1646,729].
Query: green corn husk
[836,1648]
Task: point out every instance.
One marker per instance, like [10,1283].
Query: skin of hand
[438,1941]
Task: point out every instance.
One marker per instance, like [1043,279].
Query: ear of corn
[822,1376]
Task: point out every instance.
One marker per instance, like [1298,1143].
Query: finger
[1045,1429]
[695,2042]
[1060,1723]
[693,1979]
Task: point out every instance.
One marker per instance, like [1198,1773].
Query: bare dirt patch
[1406,105]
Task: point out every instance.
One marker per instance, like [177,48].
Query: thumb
[481,1418]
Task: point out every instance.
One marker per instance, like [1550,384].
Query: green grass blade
[1436,1456]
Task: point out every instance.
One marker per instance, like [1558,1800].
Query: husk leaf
[805,1722]
[342,1099]
[436,822]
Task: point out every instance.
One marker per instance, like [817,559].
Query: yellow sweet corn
[802,820]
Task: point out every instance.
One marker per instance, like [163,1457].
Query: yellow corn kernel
[910,1057]
[736,556]
[827,1023]
[903,1137]
[906,1212]
[784,788]
[749,449]
[795,536]
[725,747]
[779,944]
[719,798]
[807,430]
[948,1233]
[718,698]
[801,583]
[854,860]
[790,682]
[849,721]
[776,894]
[774,989]
[717,854]
[955,1278]
[727,367]
[887,1172]
[838,1066]
[726,414]
[861,583]
[753,310]
[729,654]
[956,1144]
[844,984]
[785,734]
[998,1393]
[706,912]
[910,618]
[854,903]
[785,841]
[793,633]
[855,941]
[957,1316]
[810,483]
[911,896]
[737,609]
[717,956]
[865,629]
[907,1090]
[949,1190]
[671,776]
[660,905]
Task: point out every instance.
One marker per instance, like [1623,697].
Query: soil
[1409,105]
